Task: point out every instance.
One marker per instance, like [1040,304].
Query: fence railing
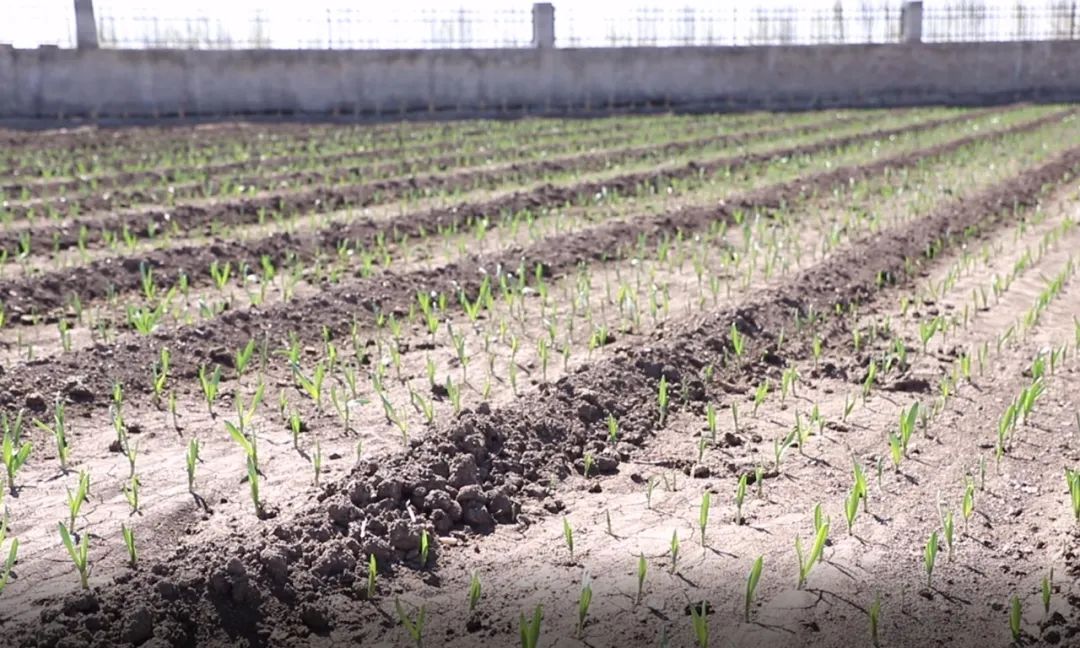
[975,21]
[736,24]
[321,24]
[341,28]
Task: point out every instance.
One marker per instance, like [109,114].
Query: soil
[43,294]
[148,222]
[493,489]
[440,155]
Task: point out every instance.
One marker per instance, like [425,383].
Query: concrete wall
[51,83]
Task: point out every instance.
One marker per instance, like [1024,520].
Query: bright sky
[416,23]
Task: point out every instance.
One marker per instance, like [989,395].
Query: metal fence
[322,24]
[734,25]
[976,21]
[328,28]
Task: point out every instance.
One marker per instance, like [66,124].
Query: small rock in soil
[315,617]
[139,627]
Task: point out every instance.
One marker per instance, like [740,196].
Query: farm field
[742,379]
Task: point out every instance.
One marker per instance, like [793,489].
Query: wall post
[543,20]
[86,36]
[911,13]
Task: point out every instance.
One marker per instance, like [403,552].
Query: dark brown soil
[190,218]
[48,293]
[302,582]
[436,156]
[224,138]
[99,366]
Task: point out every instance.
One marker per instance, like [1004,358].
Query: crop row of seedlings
[867,492]
[254,151]
[391,181]
[408,230]
[328,158]
[911,419]
[658,293]
[105,271]
[523,161]
[65,335]
[188,177]
[136,318]
[108,152]
[643,380]
[148,223]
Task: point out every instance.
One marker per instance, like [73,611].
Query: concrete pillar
[543,18]
[8,106]
[86,36]
[911,22]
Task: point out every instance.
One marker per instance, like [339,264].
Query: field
[742,379]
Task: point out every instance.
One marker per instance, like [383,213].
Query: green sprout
[1016,618]
[967,503]
[475,591]
[710,421]
[760,394]
[703,515]
[58,430]
[243,357]
[662,399]
[1072,478]
[587,462]
[740,496]
[530,629]
[781,446]
[896,450]
[875,620]
[851,508]
[584,601]
[947,528]
[751,585]
[860,488]
[220,273]
[738,341]
[568,537]
[372,575]
[613,429]
[425,546]
[253,482]
[210,384]
[79,554]
[414,626]
[9,564]
[849,405]
[930,557]
[191,458]
[312,386]
[927,330]
[907,426]
[131,493]
[161,374]
[699,619]
[807,560]
[129,542]
[12,453]
[75,499]
[296,425]
[1047,591]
